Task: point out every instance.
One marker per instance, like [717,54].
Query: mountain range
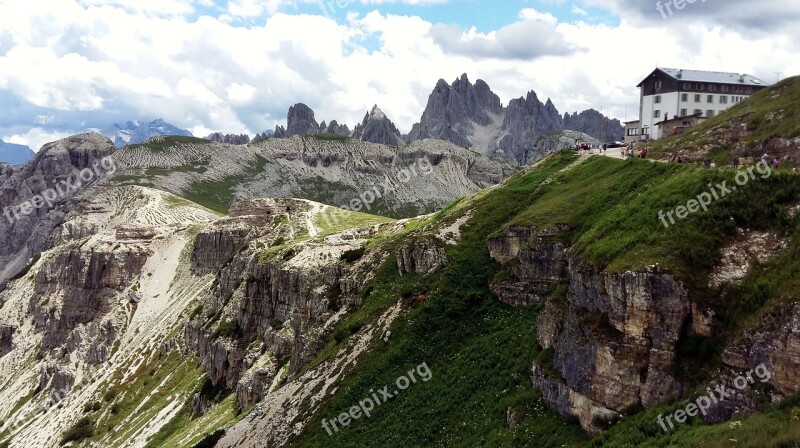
[136,132]
[188,293]
[14,154]
[473,117]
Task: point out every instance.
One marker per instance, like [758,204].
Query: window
[684,97]
[633,131]
[683,112]
[658,85]
[697,98]
[697,111]
[710,99]
[700,87]
[712,87]
[687,86]
[709,113]
[723,89]
[657,114]
[658,99]
[723,99]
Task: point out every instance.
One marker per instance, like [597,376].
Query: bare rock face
[335,128]
[55,168]
[377,128]
[84,282]
[612,338]
[595,124]
[613,342]
[774,342]
[540,262]
[472,116]
[526,121]
[6,339]
[300,121]
[247,220]
[452,111]
[422,257]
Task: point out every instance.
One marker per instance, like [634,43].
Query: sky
[236,66]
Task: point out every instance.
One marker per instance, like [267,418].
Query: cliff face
[270,304]
[55,172]
[613,337]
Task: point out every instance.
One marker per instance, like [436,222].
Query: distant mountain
[378,128]
[300,121]
[472,116]
[595,124]
[135,132]
[231,139]
[15,154]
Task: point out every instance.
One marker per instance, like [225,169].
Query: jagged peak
[376,112]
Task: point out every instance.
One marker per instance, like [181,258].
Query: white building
[668,93]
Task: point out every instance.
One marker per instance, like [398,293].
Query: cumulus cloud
[535,35]
[69,65]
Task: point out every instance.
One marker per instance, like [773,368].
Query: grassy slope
[480,351]
[772,112]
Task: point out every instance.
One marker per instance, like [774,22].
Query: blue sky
[236,66]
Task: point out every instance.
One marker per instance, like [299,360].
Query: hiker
[775,163]
[736,163]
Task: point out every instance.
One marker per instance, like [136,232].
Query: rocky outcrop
[774,342]
[377,128]
[611,338]
[300,121]
[613,342]
[526,121]
[535,263]
[231,139]
[54,171]
[595,124]
[216,245]
[6,339]
[334,128]
[421,257]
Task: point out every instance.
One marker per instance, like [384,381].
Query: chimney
[741,78]
[680,74]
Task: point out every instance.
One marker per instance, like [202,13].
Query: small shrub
[228,328]
[82,430]
[352,255]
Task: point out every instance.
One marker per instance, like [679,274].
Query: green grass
[334,220]
[329,137]
[478,350]
[770,113]
[613,208]
[777,427]
[168,142]
[218,195]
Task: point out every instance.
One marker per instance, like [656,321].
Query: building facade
[667,94]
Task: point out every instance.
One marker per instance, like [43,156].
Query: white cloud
[66,66]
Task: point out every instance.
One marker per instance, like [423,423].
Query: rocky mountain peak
[472,116]
[300,121]
[378,128]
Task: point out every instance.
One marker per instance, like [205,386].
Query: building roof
[708,77]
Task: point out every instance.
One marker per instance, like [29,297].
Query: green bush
[82,430]
[352,255]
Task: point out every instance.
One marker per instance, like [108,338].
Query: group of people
[631,152]
[765,159]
